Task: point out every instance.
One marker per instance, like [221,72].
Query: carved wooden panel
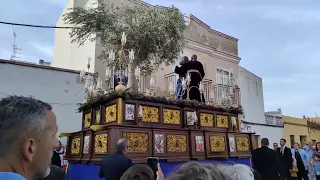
[242,143]
[101,143]
[150,114]
[138,142]
[206,120]
[176,143]
[171,116]
[222,121]
[87,120]
[75,146]
[217,143]
[111,113]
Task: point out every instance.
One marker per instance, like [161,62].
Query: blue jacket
[309,153]
[114,165]
[303,156]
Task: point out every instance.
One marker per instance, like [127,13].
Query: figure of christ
[194,93]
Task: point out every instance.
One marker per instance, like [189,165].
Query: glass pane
[219,76]
[225,77]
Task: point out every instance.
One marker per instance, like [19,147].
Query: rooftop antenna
[15,49]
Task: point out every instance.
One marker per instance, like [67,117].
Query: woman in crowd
[138,172]
[318,147]
[301,158]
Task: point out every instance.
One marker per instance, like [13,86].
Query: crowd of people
[29,150]
[285,163]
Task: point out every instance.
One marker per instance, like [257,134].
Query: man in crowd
[115,164]
[265,161]
[275,146]
[285,160]
[28,130]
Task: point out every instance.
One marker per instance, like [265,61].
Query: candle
[137,72]
[171,87]
[152,84]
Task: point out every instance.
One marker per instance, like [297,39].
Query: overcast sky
[278,41]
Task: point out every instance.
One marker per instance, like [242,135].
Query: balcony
[215,93]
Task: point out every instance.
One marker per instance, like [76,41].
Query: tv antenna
[15,49]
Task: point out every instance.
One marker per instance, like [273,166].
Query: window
[269,120]
[278,121]
[292,140]
[222,82]
[222,77]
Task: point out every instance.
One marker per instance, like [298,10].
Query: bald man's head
[122,145]
[310,143]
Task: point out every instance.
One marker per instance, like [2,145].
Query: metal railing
[216,93]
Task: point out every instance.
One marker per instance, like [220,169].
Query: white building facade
[254,118]
[58,87]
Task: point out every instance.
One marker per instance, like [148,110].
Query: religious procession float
[165,126]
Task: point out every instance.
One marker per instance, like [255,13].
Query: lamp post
[124,58]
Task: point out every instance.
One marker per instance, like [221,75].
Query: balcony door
[223,77]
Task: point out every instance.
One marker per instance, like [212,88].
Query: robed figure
[196,77]
[179,91]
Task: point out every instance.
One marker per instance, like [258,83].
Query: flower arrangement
[99,99]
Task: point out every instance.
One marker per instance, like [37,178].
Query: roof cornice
[218,33]
[211,51]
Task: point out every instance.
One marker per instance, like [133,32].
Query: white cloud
[45,49]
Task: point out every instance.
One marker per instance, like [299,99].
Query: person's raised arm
[177,70]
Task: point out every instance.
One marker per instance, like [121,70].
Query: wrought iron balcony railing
[215,93]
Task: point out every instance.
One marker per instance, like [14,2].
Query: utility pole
[15,49]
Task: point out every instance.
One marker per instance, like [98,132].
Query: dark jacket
[285,162]
[265,161]
[114,165]
[195,78]
[56,173]
[55,160]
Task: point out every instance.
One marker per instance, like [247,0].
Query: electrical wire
[35,26]
[41,26]
[48,102]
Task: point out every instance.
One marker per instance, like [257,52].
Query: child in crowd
[316,165]
[294,170]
